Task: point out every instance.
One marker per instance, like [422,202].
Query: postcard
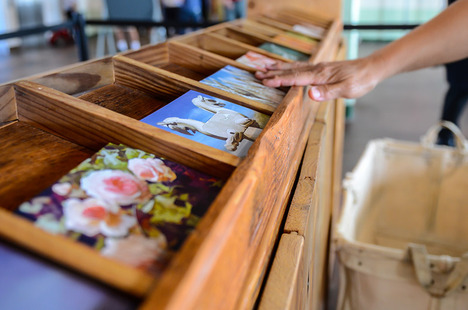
[127,204]
[297,42]
[302,37]
[211,121]
[284,51]
[256,60]
[245,84]
[310,30]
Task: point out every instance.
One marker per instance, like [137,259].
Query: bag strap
[438,282]
[430,138]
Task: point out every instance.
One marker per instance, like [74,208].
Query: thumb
[325,92]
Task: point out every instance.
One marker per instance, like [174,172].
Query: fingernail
[316,93]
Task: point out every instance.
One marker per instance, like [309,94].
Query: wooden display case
[53,121]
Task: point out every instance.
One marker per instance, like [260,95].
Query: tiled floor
[402,107]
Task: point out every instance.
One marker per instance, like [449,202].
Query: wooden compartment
[186,68]
[218,45]
[81,108]
[255,38]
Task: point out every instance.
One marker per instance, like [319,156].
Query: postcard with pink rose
[127,204]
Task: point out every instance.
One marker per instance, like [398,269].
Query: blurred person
[133,37]
[456,96]
[172,12]
[234,9]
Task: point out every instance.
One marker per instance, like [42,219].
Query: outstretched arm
[443,39]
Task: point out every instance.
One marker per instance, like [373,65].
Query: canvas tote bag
[402,237]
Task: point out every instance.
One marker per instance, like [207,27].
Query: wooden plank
[251,34]
[154,55]
[136,75]
[74,254]
[221,46]
[93,126]
[126,101]
[253,26]
[319,269]
[196,75]
[340,121]
[316,11]
[250,47]
[247,213]
[7,104]
[193,57]
[30,159]
[237,35]
[283,289]
[310,209]
[79,78]
[293,16]
[303,200]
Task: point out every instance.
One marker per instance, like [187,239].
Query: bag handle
[438,282]
[430,138]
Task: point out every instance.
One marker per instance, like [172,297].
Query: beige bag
[402,238]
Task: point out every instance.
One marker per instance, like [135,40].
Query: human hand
[329,80]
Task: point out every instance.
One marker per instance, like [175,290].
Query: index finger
[294,78]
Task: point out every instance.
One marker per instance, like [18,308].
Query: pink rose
[91,217]
[151,169]
[115,187]
[136,250]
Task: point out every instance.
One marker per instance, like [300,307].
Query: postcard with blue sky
[245,84]
[211,121]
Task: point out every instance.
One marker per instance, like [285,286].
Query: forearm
[441,40]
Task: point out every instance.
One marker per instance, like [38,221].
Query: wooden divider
[271,39]
[77,79]
[138,75]
[195,58]
[7,104]
[252,48]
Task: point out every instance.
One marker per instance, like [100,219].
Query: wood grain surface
[253,48]
[216,45]
[190,56]
[284,277]
[126,101]
[79,78]
[253,26]
[7,104]
[154,55]
[31,160]
[317,11]
[251,33]
[240,36]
